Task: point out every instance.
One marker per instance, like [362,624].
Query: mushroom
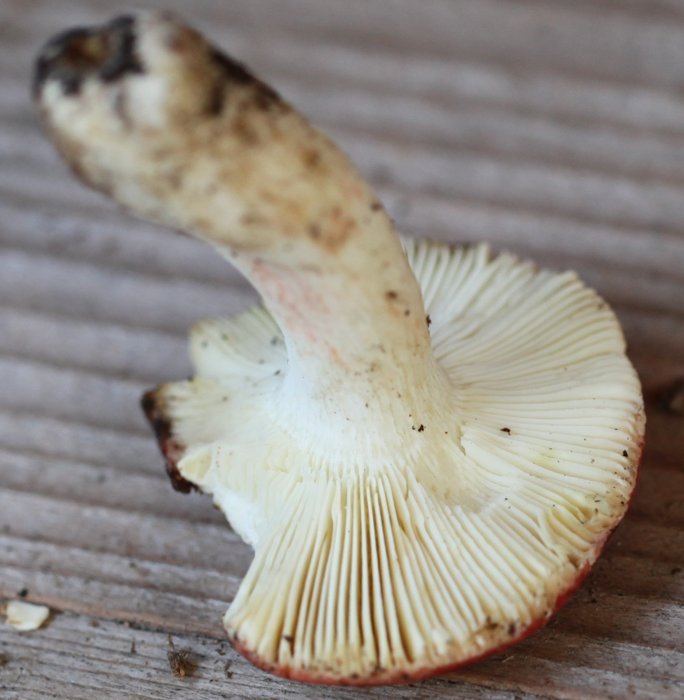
[426,445]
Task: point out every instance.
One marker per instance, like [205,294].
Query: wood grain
[552,129]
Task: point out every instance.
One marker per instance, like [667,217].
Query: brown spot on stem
[215,98]
[250,219]
[232,70]
[233,73]
[311,158]
[335,231]
[244,130]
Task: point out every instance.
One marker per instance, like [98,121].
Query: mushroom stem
[146,110]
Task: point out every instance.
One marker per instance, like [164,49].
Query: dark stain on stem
[107,52]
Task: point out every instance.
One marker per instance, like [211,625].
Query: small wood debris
[25,617]
[181,661]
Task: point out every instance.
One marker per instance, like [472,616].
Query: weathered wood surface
[552,129]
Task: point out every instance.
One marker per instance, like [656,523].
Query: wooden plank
[78,657]
[555,130]
[75,650]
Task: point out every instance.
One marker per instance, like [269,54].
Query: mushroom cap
[375,564]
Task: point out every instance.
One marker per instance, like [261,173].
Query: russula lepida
[426,446]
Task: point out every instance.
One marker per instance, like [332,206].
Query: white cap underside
[466,538]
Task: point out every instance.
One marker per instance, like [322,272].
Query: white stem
[187,137]
[356,333]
